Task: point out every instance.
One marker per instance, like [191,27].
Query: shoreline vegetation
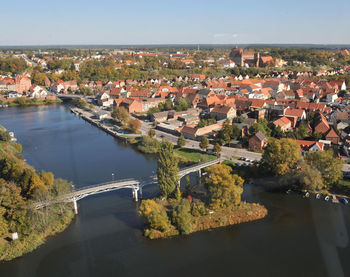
[23,102]
[20,187]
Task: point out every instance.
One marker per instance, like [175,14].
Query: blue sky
[33,22]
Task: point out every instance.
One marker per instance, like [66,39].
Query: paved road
[227,152]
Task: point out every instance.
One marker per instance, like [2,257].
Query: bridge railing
[106,183]
[202,165]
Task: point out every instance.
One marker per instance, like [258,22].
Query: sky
[62,22]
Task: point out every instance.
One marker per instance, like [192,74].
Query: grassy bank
[30,102]
[192,156]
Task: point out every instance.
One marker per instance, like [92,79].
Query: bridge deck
[120,184]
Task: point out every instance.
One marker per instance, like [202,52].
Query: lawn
[188,156]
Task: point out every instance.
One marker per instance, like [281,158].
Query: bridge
[135,184]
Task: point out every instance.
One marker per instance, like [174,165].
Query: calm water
[299,237]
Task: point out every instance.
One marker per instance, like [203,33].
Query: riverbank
[186,156]
[22,227]
[11,249]
[32,102]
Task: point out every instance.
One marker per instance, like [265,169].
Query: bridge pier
[135,194]
[75,204]
[140,189]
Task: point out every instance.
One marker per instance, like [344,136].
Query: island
[175,212]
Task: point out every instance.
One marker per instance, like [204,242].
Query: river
[299,237]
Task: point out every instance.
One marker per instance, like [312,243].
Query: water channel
[299,237]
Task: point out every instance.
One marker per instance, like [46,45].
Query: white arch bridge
[135,184]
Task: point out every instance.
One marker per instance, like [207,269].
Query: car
[162,136]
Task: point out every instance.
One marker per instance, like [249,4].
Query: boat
[344,201]
[318,196]
[289,191]
[307,195]
[326,198]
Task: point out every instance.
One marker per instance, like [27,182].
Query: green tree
[167,171]
[149,145]
[281,156]
[86,91]
[277,132]
[261,125]
[204,144]
[217,150]
[182,104]
[328,165]
[182,217]
[181,141]
[224,189]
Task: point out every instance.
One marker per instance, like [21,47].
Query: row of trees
[318,170]
[123,116]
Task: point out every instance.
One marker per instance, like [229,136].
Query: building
[23,83]
[242,58]
[258,141]
[284,123]
[224,112]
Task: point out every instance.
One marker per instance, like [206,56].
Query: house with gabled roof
[224,112]
[307,146]
[333,136]
[258,141]
[284,123]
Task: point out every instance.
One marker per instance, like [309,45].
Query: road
[227,152]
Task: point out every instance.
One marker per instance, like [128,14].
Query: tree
[302,131]
[47,177]
[261,125]
[134,124]
[217,150]
[328,165]
[224,189]
[121,114]
[154,215]
[280,156]
[181,141]
[182,104]
[182,217]
[86,91]
[277,132]
[167,171]
[204,144]
[151,133]
[4,135]
[310,178]
[38,78]
[149,145]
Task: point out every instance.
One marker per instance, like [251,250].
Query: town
[262,96]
